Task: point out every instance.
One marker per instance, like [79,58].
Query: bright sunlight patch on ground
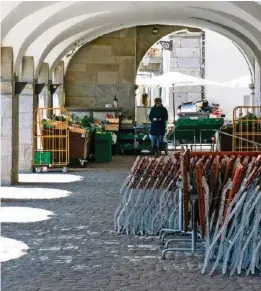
[49,178]
[11,249]
[32,193]
[23,214]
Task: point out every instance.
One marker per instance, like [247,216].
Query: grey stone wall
[108,66]
[185,58]
[102,69]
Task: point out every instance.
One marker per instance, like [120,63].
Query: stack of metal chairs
[233,240]
[149,197]
[156,196]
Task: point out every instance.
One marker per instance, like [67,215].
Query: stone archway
[108,65]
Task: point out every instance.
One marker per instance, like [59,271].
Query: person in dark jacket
[158,117]
[205,107]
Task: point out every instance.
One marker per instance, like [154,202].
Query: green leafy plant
[77,120]
[60,118]
[46,124]
[86,120]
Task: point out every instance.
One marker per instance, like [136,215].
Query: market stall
[193,122]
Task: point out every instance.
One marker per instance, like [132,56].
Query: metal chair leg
[193,248]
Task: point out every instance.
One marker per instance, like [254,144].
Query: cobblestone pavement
[77,249]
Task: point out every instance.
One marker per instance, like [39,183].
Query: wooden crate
[78,130]
[113,120]
[127,121]
[60,125]
[112,127]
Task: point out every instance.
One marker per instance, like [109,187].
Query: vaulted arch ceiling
[188,23]
[49,30]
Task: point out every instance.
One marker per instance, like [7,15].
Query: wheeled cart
[51,139]
[80,146]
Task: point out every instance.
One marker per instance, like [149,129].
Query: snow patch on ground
[32,193]
[49,178]
[11,249]
[23,214]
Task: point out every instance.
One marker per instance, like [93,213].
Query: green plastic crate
[141,136]
[144,147]
[212,123]
[126,146]
[186,128]
[126,136]
[42,158]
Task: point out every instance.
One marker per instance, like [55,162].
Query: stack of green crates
[188,129]
[103,147]
[42,158]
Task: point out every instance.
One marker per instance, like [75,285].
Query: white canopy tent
[241,82]
[173,79]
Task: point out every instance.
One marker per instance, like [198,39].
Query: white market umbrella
[141,81]
[241,82]
[173,79]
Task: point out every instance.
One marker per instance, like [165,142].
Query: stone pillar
[44,97]
[26,107]
[9,120]
[44,74]
[58,78]
[257,95]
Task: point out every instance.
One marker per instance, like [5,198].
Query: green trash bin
[103,147]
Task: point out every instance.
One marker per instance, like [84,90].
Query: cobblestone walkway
[77,249]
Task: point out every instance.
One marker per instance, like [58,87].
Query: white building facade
[205,55]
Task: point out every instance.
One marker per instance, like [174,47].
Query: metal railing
[246,128]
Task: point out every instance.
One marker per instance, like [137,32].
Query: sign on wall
[167,45]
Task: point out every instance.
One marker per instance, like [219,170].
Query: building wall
[108,66]
[102,69]
[224,62]
[185,58]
